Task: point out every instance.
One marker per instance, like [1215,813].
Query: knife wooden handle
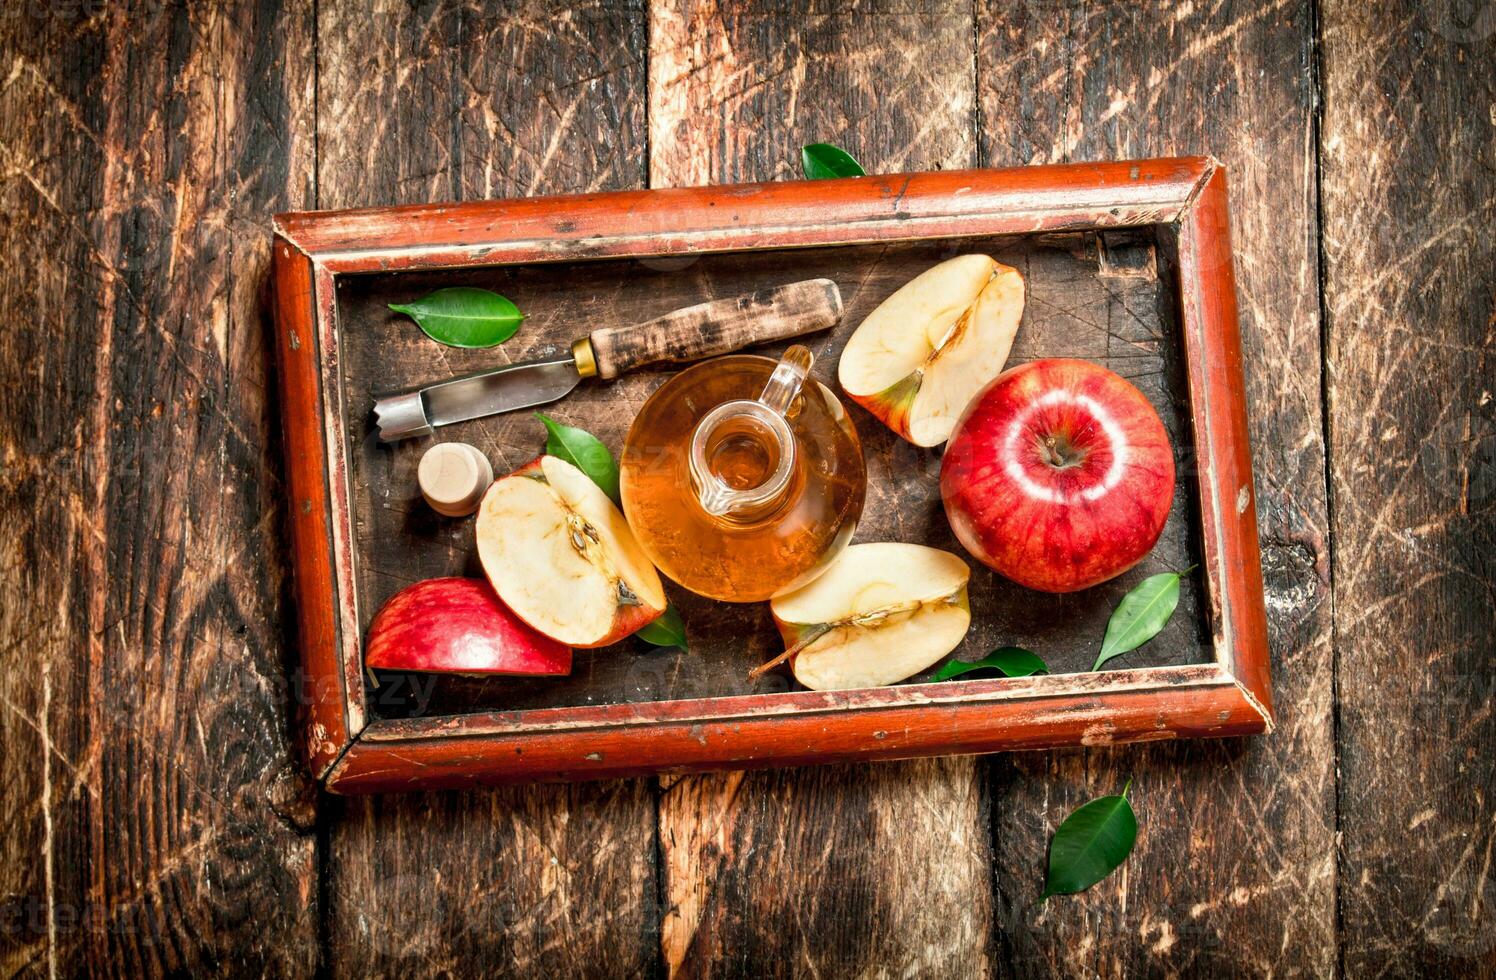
[718,327]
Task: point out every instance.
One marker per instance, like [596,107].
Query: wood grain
[736,89]
[1409,187]
[923,204]
[452,101]
[154,819]
[329,691]
[717,327]
[899,852]
[1234,869]
[898,723]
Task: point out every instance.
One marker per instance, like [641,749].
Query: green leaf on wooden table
[822,161]
[462,316]
[1090,844]
[1010,661]
[583,450]
[667,631]
[1140,615]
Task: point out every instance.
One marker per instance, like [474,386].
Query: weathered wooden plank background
[152,818]
[450,102]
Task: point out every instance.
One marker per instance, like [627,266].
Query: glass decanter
[742,478]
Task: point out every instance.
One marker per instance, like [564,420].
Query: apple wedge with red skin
[561,556]
[1059,475]
[459,626]
[919,357]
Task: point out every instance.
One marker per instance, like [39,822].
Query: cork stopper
[453,477]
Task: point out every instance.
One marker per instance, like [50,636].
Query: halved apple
[926,350]
[879,614]
[458,626]
[560,554]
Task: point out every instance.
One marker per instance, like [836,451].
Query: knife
[705,330]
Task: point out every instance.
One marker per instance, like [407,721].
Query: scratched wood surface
[452,101]
[1411,323]
[1239,837]
[152,820]
[151,808]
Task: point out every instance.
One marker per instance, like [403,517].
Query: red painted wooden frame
[351,754]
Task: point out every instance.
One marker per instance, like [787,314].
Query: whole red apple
[1059,475]
[458,625]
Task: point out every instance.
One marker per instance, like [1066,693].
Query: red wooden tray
[323,261]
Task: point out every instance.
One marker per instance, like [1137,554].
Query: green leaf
[584,451]
[1090,844]
[462,316]
[822,160]
[667,631]
[1140,615]
[1010,661]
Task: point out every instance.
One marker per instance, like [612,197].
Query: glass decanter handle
[789,374]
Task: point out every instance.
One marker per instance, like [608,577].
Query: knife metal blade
[472,396]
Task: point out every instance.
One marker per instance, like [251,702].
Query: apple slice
[879,614]
[559,553]
[459,626]
[926,350]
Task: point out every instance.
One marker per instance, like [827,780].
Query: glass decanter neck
[743,452]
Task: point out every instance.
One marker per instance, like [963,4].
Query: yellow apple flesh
[878,614]
[560,555]
[920,356]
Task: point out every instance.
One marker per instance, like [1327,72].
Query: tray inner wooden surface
[1112,302]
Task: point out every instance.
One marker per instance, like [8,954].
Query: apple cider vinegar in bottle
[742,478]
